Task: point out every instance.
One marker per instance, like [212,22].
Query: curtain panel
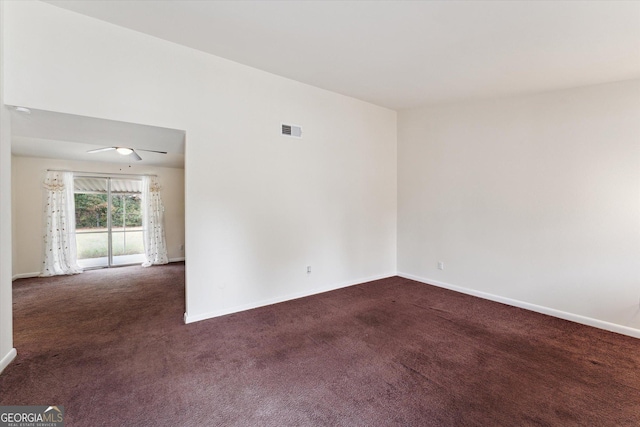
[59,239]
[155,247]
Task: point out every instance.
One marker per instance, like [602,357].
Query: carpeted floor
[112,348]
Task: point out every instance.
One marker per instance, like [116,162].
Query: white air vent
[291,130]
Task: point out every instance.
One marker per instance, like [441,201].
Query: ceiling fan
[125,151]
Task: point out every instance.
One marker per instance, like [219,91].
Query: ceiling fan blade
[135,156]
[151,151]
[98,150]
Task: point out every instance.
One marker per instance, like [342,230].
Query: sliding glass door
[108,221]
[126,222]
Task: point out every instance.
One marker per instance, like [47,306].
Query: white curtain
[155,248]
[59,239]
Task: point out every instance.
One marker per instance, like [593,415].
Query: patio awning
[99,185]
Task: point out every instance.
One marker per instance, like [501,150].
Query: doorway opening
[108,213]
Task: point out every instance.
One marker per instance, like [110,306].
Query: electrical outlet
[440,265]
[182,247]
[308,269]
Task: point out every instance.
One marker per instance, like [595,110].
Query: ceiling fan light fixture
[124,151]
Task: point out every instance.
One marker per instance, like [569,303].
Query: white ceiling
[397,54]
[403,54]
[67,136]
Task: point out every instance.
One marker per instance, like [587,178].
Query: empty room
[413,213]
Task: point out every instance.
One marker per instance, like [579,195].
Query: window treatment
[59,240]
[155,248]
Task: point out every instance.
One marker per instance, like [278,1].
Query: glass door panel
[126,222]
[108,222]
[92,222]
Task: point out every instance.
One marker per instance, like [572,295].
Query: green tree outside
[91,210]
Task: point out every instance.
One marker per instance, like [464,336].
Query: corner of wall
[6,310]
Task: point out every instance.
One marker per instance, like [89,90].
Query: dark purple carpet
[111,347]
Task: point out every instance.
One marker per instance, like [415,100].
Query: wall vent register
[291,130]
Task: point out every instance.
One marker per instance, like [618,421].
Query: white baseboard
[203,316]
[8,358]
[589,321]
[37,274]
[25,276]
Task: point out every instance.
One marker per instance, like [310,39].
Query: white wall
[28,210]
[7,352]
[532,199]
[259,207]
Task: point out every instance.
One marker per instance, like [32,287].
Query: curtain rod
[103,173]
